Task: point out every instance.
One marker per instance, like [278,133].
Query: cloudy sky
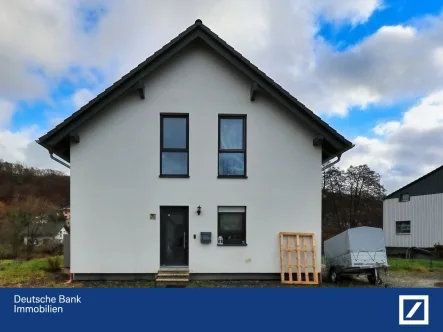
[373,69]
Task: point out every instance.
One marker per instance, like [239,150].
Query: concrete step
[174,269]
[172,274]
[172,280]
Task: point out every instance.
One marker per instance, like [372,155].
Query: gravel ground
[416,279]
[396,279]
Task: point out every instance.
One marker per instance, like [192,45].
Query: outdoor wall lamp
[199,210]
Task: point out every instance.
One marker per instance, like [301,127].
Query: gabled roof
[430,183]
[58,139]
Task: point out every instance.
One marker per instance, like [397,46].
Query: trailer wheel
[374,281]
[333,276]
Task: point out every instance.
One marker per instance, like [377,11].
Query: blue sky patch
[58,104]
[90,16]
[361,122]
[394,12]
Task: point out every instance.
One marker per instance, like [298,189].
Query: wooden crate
[298,258]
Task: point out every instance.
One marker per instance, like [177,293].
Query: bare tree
[25,219]
[363,188]
[352,198]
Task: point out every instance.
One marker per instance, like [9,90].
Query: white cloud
[386,128]
[356,11]
[55,121]
[277,37]
[438,56]
[7,109]
[21,147]
[395,63]
[407,149]
[13,144]
[81,97]
[47,34]
[33,34]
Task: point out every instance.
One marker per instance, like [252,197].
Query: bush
[5,252]
[54,264]
[49,248]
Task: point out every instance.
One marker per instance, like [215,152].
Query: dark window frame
[163,149]
[400,198]
[232,243]
[243,150]
[402,233]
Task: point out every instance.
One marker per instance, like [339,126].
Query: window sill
[232,245]
[232,177]
[403,234]
[174,176]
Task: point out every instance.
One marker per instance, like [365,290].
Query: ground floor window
[403,227]
[232,225]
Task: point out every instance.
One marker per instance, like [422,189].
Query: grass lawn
[417,265]
[32,273]
[35,273]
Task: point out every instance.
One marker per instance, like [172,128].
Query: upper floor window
[232,146]
[174,145]
[405,197]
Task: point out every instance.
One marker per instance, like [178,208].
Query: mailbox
[205,237]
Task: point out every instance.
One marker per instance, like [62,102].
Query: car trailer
[357,251]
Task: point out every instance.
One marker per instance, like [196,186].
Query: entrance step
[172,276]
[174,268]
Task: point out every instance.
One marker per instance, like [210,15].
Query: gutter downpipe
[51,154]
[338,158]
[332,163]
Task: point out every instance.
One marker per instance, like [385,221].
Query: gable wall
[426,216]
[115,182]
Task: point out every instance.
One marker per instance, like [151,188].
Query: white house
[45,233]
[195,158]
[413,214]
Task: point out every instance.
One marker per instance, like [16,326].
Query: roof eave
[338,153]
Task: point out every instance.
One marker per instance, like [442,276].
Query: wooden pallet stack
[298,258]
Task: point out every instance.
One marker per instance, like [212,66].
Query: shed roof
[58,139]
[430,183]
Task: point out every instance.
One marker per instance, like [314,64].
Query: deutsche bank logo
[414,309]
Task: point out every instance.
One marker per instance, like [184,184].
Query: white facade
[425,214]
[115,168]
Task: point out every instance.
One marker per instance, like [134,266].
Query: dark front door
[174,235]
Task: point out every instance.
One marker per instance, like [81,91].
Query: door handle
[184,240]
